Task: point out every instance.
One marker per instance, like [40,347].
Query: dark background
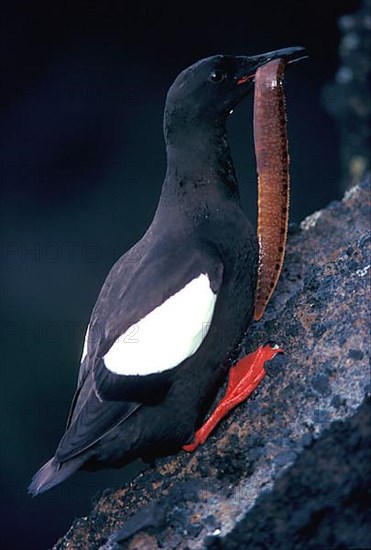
[82,162]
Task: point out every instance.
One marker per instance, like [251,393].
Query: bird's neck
[200,170]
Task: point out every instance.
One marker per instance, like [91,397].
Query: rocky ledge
[290,467]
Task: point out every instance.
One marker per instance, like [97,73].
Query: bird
[172,311]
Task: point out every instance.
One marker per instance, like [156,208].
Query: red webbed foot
[244,377]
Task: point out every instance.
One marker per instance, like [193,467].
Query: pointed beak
[249,65]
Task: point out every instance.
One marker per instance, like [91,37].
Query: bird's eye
[217,76]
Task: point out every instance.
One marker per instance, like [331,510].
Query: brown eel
[272,160]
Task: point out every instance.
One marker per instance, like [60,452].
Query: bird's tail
[52,473]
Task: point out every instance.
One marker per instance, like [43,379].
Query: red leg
[244,377]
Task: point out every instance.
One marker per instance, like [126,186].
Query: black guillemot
[174,308]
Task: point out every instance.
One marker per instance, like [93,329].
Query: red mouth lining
[245,79]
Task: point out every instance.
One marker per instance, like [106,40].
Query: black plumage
[199,228]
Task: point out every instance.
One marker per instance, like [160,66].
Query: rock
[281,467]
[323,501]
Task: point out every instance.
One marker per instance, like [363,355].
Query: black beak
[249,65]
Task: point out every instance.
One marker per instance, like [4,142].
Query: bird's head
[205,93]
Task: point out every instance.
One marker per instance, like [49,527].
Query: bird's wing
[94,420]
[148,319]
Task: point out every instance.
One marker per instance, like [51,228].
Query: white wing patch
[166,336]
